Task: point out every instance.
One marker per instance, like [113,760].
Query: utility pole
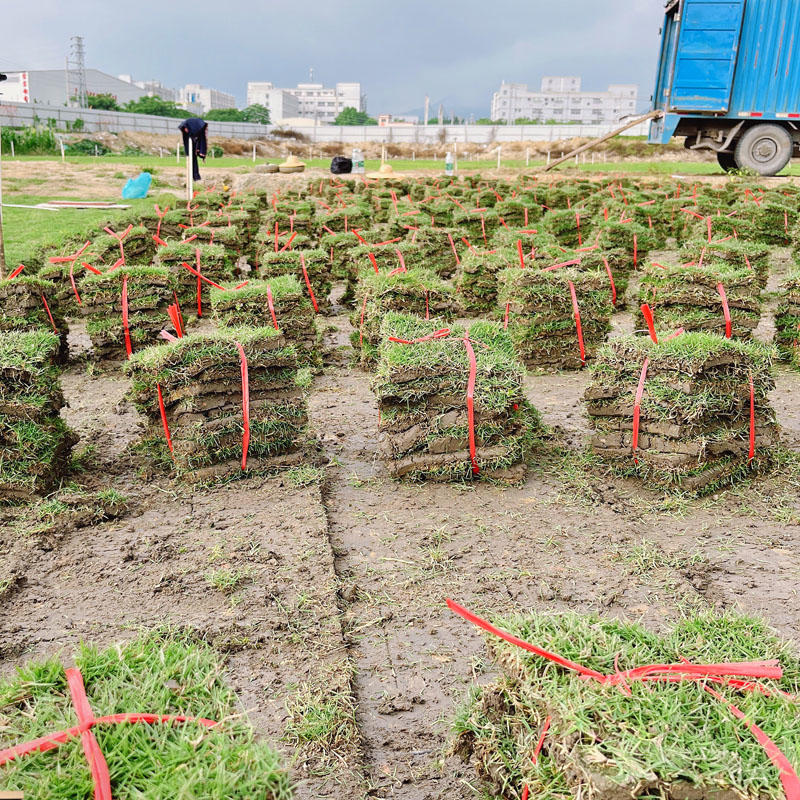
[2,248]
[441,113]
[79,62]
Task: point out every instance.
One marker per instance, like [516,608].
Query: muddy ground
[328,599]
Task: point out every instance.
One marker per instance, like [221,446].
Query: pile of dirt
[787,319]
[539,306]
[415,291]
[280,302]
[211,421]
[693,297]
[595,726]
[677,414]
[311,267]
[28,303]
[132,298]
[35,443]
[430,427]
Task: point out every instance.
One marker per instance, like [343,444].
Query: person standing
[195,129]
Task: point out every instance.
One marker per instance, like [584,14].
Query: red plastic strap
[788,776]
[540,742]
[159,241]
[562,264]
[525,222]
[635,252]
[726,311]
[453,245]
[374,262]
[271,308]
[519,253]
[637,410]
[648,318]
[164,417]
[578,223]
[427,308]
[72,281]
[202,277]
[402,261]
[752,453]
[398,270]
[125,328]
[611,281]
[473,374]
[483,230]
[578,327]
[47,309]
[245,405]
[18,270]
[505,316]
[276,237]
[308,284]
[291,239]
[358,236]
[442,333]
[174,313]
[389,241]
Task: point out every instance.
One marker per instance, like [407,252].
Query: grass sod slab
[694,425]
[201,386]
[541,315]
[158,673]
[293,310]
[422,401]
[688,297]
[735,252]
[787,319]
[661,740]
[216,264]
[415,291]
[318,268]
[29,378]
[477,276]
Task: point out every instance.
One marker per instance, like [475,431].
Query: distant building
[391,119]
[199,99]
[561,99]
[57,87]
[152,88]
[281,103]
[314,100]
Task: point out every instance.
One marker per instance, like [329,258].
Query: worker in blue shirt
[195,129]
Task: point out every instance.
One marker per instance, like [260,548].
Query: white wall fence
[95,120]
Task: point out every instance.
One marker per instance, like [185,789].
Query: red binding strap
[18,270]
[374,262]
[519,253]
[637,410]
[308,284]
[453,246]
[271,308]
[725,310]
[611,281]
[473,373]
[648,318]
[245,405]
[505,316]
[752,453]
[47,309]
[578,327]
[163,411]
[562,264]
[72,281]
[361,324]
[201,277]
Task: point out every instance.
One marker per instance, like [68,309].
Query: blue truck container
[729,80]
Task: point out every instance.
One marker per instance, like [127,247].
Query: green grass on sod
[158,673]
[661,740]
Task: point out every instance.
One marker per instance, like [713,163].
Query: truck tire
[727,161]
[765,149]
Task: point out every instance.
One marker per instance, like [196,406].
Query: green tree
[352,117]
[256,113]
[224,115]
[155,106]
[104,101]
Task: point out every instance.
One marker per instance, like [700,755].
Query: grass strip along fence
[609,709]
[154,719]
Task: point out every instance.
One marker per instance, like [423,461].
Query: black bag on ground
[341,165]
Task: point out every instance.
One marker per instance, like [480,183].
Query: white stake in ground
[189,172]
[254,152]
[177,154]
[498,158]
[2,250]
[527,156]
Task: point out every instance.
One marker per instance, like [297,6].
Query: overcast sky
[458,53]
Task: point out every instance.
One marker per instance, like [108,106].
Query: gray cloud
[456,52]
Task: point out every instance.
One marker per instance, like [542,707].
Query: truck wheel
[765,149]
[727,161]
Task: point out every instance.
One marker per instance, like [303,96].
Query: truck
[728,79]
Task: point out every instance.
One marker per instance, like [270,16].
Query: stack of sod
[27,303]
[35,443]
[155,673]
[435,249]
[694,426]
[787,319]
[149,293]
[318,272]
[476,279]
[138,247]
[211,260]
[201,385]
[736,252]
[476,224]
[774,220]
[570,227]
[423,406]
[294,312]
[226,235]
[689,297]
[635,239]
[541,316]
[416,291]
[266,244]
[640,739]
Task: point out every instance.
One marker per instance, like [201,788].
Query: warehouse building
[560,99]
[57,87]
